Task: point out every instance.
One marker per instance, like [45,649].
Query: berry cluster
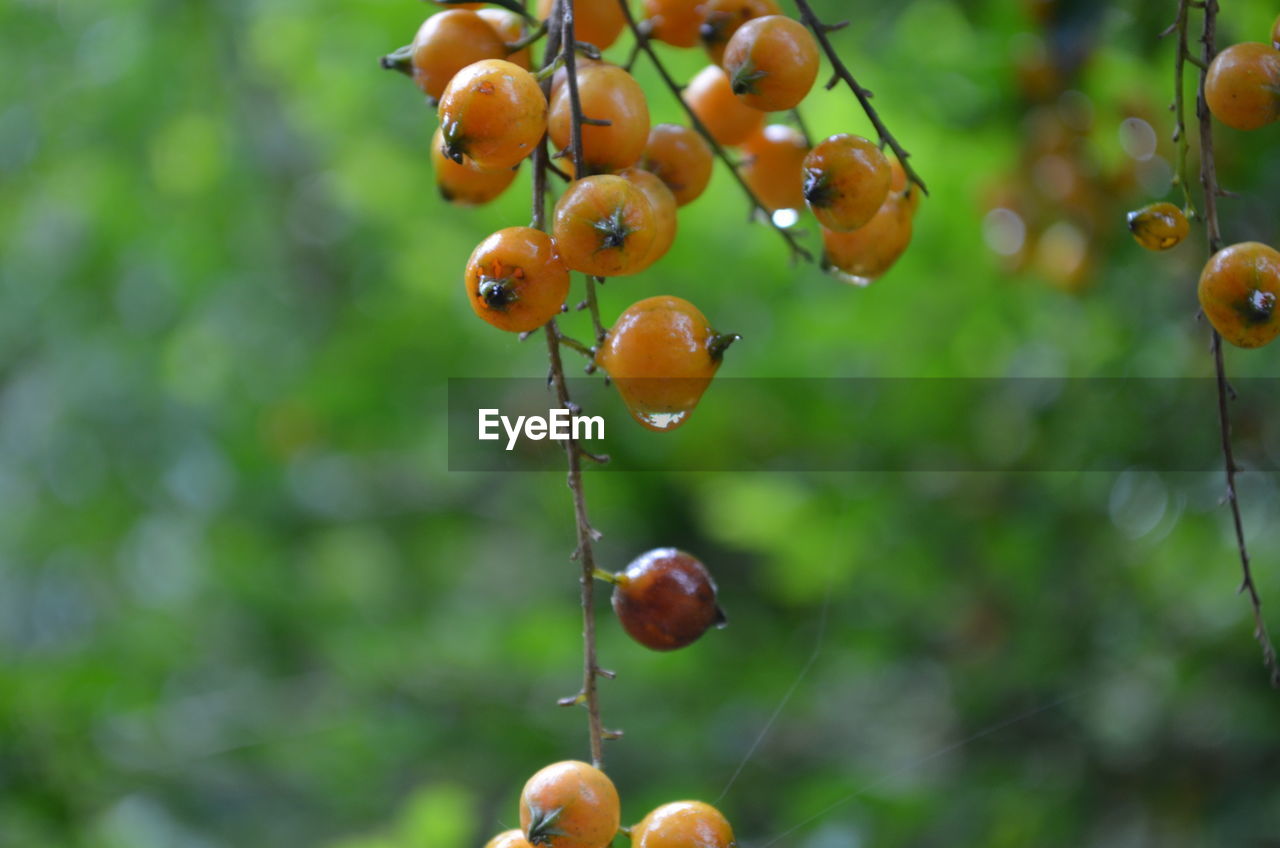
[571,804]
[625,178]
[1240,284]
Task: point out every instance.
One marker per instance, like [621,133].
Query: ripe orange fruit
[863,255]
[774,166]
[1238,291]
[510,28]
[515,279]
[1242,87]
[846,178]
[449,41]
[1158,226]
[674,21]
[683,824]
[711,97]
[772,62]
[508,839]
[604,226]
[492,111]
[663,204]
[569,804]
[721,19]
[662,354]
[681,158]
[597,22]
[665,599]
[464,183]
[607,93]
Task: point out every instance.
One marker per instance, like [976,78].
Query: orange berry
[846,178]
[683,824]
[721,19]
[666,599]
[597,22]
[515,279]
[681,158]
[863,255]
[465,184]
[663,203]
[494,112]
[774,166]
[674,21]
[1158,226]
[1242,87]
[604,226]
[662,354]
[772,62]
[607,93]
[508,839]
[569,805]
[510,27]
[449,41]
[1238,291]
[711,97]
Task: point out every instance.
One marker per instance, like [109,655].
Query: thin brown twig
[1179,110]
[1209,182]
[560,45]
[842,72]
[798,251]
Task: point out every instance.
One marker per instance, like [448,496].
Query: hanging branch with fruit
[617,216]
[1240,283]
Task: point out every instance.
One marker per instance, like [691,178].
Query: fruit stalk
[558,44]
[842,73]
[1213,232]
[798,251]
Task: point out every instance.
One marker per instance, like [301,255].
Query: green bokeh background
[243,602]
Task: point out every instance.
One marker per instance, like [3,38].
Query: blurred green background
[243,603]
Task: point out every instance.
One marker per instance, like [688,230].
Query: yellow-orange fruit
[607,93]
[771,62]
[681,158]
[1238,291]
[773,166]
[1158,226]
[569,804]
[449,41]
[492,111]
[515,279]
[1242,87]
[727,119]
[846,178]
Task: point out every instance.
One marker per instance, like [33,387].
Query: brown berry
[666,599]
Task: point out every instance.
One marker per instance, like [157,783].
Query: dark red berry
[666,599]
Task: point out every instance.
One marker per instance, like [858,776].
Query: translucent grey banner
[998,425]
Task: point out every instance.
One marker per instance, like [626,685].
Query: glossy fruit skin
[722,18]
[604,226]
[726,117]
[666,599]
[683,824]
[661,354]
[449,41]
[846,178]
[597,22]
[513,838]
[493,112]
[663,204]
[1158,226]
[465,184]
[1238,291]
[607,93]
[863,255]
[773,166]
[674,21]
[772,62]
[515,279]
[1242,87]
[569,804]
[681,158]
[510,28]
